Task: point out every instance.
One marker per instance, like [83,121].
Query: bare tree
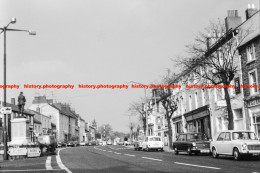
[105,130]
[132,125]
[169,103]
[214,58]
[138,108]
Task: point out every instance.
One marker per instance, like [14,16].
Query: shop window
[253,81]
[250,50]
[257,125]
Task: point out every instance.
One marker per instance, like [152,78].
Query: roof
[36,121]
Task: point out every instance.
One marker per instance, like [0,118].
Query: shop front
[198,120]
[177,126]
[253,107]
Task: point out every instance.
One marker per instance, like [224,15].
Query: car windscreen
[244,136]
[155,139]
[197,137]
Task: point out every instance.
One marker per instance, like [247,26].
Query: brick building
[250,62]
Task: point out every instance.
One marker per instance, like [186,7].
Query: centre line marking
[196,165]
[104,150]
[152,159]
[130,155]
[117,153]
[109,151]
[48,163]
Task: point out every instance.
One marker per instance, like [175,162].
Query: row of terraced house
[44,117]
[205,110]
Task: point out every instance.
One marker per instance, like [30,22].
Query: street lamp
[4,29]
[146,113]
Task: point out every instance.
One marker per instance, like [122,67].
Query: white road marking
[130,155]
[117,153]
[109,151]
[48,163]
[196,165]
[152,159]
[59,162]
[104,150]
[27,170]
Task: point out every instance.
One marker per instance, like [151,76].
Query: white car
[82,143]
[152,143]
[235,143]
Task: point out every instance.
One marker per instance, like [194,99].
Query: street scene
[130,86]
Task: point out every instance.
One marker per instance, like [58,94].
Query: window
[250,50]
[190,103]
[227,137]
[253,81]
[221,137]
[203,97]
[196,100]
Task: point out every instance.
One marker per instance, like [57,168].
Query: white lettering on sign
[17,151]
[33,152]
[6,110]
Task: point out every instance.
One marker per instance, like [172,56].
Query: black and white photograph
[130,86]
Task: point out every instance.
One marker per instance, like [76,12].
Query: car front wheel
[214,153]
[236,154]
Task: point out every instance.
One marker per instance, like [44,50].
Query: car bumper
[251,153]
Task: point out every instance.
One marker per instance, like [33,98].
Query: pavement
[118,159]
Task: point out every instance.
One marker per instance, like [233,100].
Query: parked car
[235,143]
[120,143]
[59,145]
[71,144]
[109,142]
[191,143]
[47,143]
[126,143]
[152,143]
[138,145]
[82,143]
[93,142]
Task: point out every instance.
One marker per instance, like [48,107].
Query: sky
[101,42]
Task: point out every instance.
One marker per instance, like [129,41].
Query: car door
[226,144]
[219,142]
[182,142]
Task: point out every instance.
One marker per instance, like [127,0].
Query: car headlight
[244,146]
[193,144]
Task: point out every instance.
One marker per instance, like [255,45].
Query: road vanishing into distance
[121,159]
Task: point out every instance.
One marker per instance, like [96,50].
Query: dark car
[192,143]
[47,143]
[138,145]
[71,144]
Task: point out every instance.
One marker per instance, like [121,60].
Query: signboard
[33,152]
[6,110]
[17,151]
[252,103]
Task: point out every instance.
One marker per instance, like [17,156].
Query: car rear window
[244,135]
[197,137]
[155,139]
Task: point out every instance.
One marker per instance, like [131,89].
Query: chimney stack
[38,109]
[250,11]
[13,101]
[232,20]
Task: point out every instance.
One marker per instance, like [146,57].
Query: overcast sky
[101,42]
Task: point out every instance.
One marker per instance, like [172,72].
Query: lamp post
[4,29]
[146,113]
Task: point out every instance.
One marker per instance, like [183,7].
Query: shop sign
[17,151]
[33,152]
[252,103]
